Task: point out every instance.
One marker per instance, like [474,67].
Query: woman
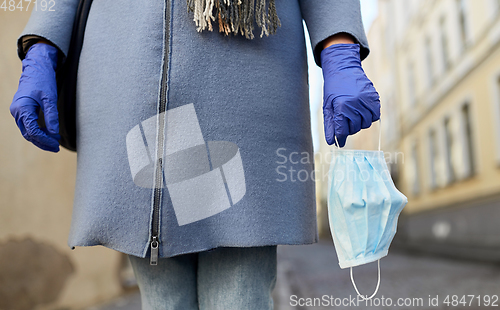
[179,130]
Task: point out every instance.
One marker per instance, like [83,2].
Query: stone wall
[37,268]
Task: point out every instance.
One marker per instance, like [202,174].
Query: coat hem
[203,249]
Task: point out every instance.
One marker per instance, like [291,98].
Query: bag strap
[66,78]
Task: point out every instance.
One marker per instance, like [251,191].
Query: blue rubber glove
[350,103]
[38,90]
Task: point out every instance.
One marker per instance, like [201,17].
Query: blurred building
[322,159]
[37,268]
[436,65]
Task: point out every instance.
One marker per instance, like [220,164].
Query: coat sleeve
[55,26]
[325,18]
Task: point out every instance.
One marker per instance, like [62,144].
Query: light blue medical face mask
[363,207]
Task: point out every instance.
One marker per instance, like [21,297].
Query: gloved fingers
[371,101]
[329,126]
[341,129]
[35,135]
[51,116]
[350,108]
[45,143]
[44,146]
[369,111]
[355,122]
[376,109]
[55,136]
[365,119]
[21,127]
[23,109]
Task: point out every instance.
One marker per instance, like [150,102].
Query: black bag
[66,80]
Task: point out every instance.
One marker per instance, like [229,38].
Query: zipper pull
[154,251]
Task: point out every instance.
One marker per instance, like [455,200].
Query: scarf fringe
[235,16]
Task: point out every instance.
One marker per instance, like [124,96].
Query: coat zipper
[162,107]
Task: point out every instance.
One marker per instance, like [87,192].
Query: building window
[411,84]
[468,143]
[449,148]
[429,61]
[444,43]
[462,19]
[433,158]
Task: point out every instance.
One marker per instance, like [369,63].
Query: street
[310,275]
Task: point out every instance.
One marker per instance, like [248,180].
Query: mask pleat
[340,232]
[398,201]
[354,206]
[380,202]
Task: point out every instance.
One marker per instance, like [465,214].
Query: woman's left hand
[350,103]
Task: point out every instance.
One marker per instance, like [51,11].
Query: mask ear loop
[379,133]
[336,142]
[376,289]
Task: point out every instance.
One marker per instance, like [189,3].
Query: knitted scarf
[235,16]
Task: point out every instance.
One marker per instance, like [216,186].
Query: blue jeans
[224,278]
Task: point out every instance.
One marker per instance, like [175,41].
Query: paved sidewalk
[312,271]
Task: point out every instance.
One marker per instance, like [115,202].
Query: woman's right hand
[38,90]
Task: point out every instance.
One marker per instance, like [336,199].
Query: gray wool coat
[191,137]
